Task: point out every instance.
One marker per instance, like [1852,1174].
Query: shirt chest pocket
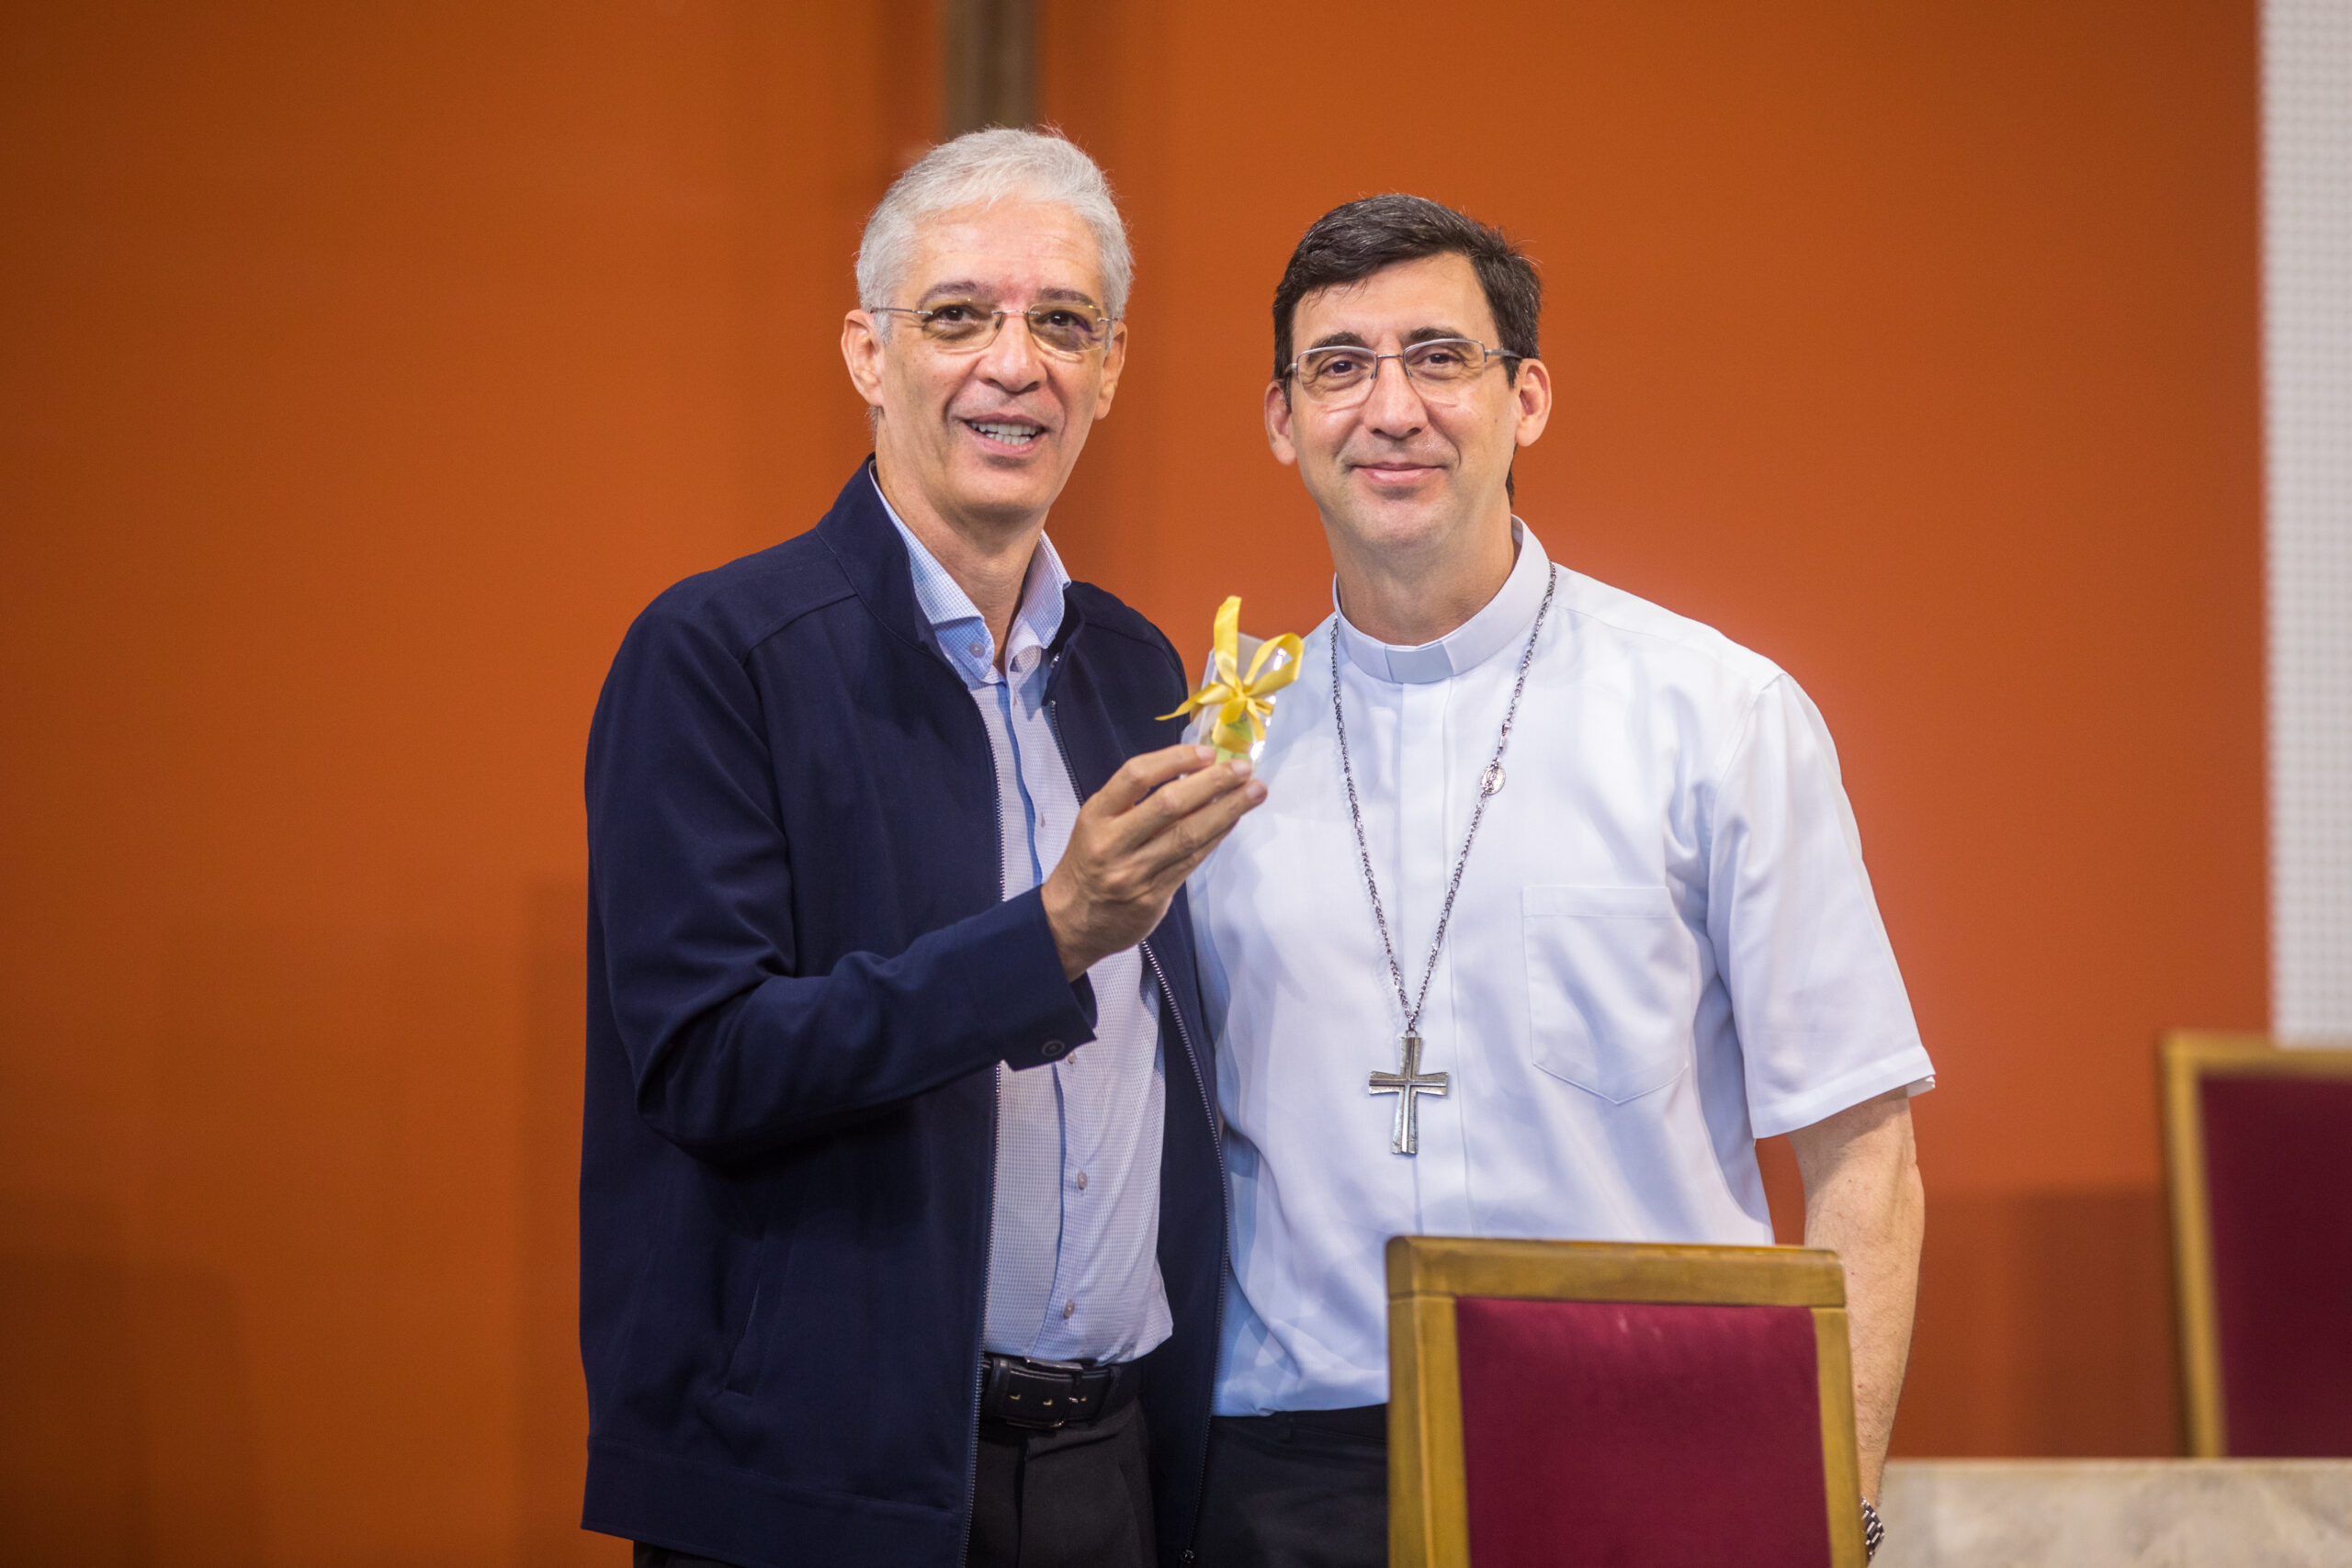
[1611,987]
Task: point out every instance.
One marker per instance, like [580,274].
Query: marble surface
[2116,1514]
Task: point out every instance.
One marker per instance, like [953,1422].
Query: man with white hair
[901,1213]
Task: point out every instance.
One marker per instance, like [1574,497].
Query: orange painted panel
[1915,347]
[369,367]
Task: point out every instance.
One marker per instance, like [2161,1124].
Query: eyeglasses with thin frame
[1442,368]
[966,326]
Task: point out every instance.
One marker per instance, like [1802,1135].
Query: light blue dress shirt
[1073,1252]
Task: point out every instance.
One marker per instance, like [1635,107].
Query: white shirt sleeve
[1822,1020]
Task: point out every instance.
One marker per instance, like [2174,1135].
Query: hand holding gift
[1233,707]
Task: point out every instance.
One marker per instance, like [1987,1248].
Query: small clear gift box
[1237,687]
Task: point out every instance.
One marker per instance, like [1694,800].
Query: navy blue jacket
[800,979]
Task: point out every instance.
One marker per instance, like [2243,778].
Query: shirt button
[1068,1308]
[976,649]
[1081,1181]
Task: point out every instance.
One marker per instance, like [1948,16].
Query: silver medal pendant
[1491,781]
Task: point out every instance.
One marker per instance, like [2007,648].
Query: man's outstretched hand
[1135,843]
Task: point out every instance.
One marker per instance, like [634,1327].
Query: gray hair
[982,168]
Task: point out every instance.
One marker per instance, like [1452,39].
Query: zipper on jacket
[1217,1149]
[980,1338]
[988,1237]
[1224,1196]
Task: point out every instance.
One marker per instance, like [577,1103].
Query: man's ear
[1532,397]
[1278,416]
[1115,360]
[862,352]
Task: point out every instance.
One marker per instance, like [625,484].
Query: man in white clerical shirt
[1554,906]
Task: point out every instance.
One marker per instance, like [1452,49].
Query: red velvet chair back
[2262,1167]
[1563,1402]
[1627,1431]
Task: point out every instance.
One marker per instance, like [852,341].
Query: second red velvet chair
[2260,1142]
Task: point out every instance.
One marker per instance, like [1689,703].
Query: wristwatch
[1872,1532]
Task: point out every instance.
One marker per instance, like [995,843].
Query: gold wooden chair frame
[1429,1524]
[2189,1059]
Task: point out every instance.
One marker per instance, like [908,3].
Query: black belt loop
[1022,1392]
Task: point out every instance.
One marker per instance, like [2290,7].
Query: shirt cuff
[1907,1069]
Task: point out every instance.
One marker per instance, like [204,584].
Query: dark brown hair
[1350,242]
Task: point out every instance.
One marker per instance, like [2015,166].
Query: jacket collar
[859,532]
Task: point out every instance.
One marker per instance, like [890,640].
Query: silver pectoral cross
[1404,1086]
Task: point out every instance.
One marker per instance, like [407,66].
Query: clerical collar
[1494,629]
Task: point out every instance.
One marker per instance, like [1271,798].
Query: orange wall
[1913,345]
[366,368]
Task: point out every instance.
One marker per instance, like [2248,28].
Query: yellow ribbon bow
[1241,701]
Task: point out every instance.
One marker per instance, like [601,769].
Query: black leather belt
[1024,1393]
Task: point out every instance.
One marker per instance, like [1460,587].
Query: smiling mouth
[1009,434]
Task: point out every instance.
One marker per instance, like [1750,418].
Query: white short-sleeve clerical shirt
[1665,947]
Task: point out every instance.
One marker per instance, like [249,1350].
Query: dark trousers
[1076,1496]
[1303,1489]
